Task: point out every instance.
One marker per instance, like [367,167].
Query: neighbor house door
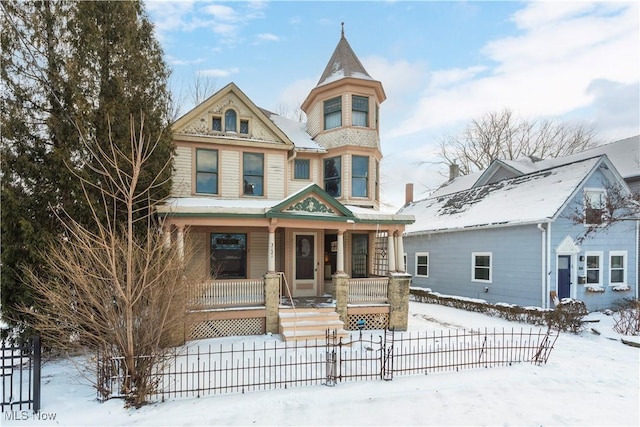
[564,276]
[305,265]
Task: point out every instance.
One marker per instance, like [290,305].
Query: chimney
[408,194]
[454,171]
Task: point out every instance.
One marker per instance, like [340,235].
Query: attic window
[217,124]
[244,126]
[594,204]
[230,118]
[333,113]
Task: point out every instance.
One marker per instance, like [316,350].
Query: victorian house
[281,220]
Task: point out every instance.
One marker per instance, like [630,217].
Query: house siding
[257,247]
[181,185]
[275,175]
[516,274]
[229,165]
[198,257]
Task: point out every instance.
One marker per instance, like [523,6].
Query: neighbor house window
[359,176]
[593,268]
[217,124]
[422,264]
[332,168]
[228,256]
[333,113]
[360,110]
[481,267]
[253,174]
[244,126]
[594,204]
[301,169]
[618,268]
[206,171]
[230,121]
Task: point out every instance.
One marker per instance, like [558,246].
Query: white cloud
[268,37]
[218,72]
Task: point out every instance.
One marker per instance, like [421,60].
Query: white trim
[599,254]
[625,256]
[416,264]
[473,266]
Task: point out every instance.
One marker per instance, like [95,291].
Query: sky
[590,379]
[442,64]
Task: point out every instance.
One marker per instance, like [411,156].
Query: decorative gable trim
[311,200]
[567,246]
[312,205]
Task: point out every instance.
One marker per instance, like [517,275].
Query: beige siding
[229,173]
[275,175]
[258,256]
[314,120]
[197,254]
[182,174]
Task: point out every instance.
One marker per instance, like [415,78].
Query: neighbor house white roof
[536,197]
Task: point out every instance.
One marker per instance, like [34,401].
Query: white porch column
[400,253]
[391,251]
[340,253]
[271,260]
[166,231]
[180,242]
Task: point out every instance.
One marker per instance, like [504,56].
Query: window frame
[600,255]
[331,110]
[248,183]
[198,171]
[218,120]
[474,266]
[417,264]
[358,178]
[586,200]
[337,178]
[308,169]
[356,100]
[228,115]
[214,270]
[244,127]
[624,255]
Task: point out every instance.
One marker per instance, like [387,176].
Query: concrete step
[309,323]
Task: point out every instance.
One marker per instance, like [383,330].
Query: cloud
[267,37]
[218,72]
[547,69]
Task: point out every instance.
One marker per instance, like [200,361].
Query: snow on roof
[296,132]
[522,200]
[459,183]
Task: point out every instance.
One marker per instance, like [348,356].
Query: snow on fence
[199,370]
[369,290]
[227,293]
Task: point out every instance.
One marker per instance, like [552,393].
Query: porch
[217,308]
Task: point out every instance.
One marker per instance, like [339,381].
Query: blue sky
[442,64]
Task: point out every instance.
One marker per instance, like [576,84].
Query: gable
[311,201]
[199,121]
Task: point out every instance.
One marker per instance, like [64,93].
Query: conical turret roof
[343,63]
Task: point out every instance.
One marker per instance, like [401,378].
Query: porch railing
[226,293]
[368,290]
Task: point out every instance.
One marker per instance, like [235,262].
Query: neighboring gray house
[504,236]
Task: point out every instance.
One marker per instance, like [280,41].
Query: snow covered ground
[590,379]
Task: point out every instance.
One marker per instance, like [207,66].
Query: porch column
[271,260]
[272,301]
[391,251]
[400,252]
[166,231]
[340,253]
[180,242]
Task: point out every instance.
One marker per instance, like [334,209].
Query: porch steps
[309,323]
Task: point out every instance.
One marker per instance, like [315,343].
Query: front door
[564,276]
[305,265]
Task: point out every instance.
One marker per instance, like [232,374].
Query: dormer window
[360,111]
[230,118]
[333,113]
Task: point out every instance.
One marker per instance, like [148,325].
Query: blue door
[564,276]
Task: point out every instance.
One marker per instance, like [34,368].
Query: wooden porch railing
[368,290]
[226,293]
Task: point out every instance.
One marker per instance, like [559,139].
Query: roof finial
[342,24]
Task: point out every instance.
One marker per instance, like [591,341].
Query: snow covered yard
[590,379]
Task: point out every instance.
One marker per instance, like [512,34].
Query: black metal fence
[21,364]
[195,371]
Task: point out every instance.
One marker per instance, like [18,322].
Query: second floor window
[333,113]
[359,176]
[230,118]
[360,111]
[253,174]
[332,168]
[206,171]
[301,169]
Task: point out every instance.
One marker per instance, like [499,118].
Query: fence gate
[21,375]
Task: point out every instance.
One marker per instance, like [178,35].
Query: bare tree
[110,288]
[295,113]
[499,135]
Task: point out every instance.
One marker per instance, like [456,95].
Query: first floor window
[228,256]
[301,169]
[206,171]
[481,267]
[422,264]
[618,267]
[593,261]
[359,176]
[253,174]
[332,172]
